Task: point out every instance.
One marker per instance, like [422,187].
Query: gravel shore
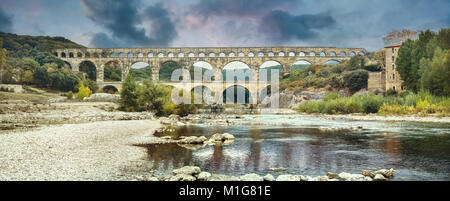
[88,151]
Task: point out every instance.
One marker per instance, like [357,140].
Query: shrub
[331,96]
[83,92]
[70,95]
[371,103]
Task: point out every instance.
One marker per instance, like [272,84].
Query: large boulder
[189,170]
[368,174]
[332,175]
[251,177]
[269,177]
[379,177]
[386,173]
[193,140]
[203,176]
[221,137]
[182,177]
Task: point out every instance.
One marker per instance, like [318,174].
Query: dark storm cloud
[282,26]
[104,41]
[5,21]
[208,8]
[124,20]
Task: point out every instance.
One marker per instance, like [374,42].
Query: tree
[129,95]
[399,36]
[41,77]
[28,77]
[2,55]
[443,39]
[83,92]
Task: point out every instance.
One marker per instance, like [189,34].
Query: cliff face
[291,99]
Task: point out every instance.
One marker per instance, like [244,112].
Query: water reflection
[418,151]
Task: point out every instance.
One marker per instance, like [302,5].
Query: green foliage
[356,80]
[89,69]
[331,96]
[129,96]
[83,92]
[151,97]
[70,95]
[423,64]
[112,73]
[141,73]
[167,68]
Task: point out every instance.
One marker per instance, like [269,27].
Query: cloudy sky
[199,23]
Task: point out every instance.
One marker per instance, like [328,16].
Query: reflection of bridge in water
[219,58]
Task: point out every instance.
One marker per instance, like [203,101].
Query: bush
[70,95]
[331,96]
[371,103]
[83,92]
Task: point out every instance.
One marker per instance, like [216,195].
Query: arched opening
[89,70]
[166,70]
[150,55]
[204,92]
[63,54]
[222,54]
[55,54]
[265,70]
[112,72]
[236,94]
[160,55]
[191,55]
[300,65]
[79,55]
[322,54]
[130,55]
[110,89]
[266,92]
[251,54]
[237,70]
[203,67]
[180,54]
[67,65]
[332,62]
[312,54]
[332,54]
[281,54]
[212,54]
[302,54]
[271,54]
[104,54]
[241,54]
[140,71]
[232,54]
[352,54]
[170,55]
[140,55]
[87,55]
[112,55]
[361,53]
[70,55]
[260,54]
[201,54]
[292,54]
[343,54]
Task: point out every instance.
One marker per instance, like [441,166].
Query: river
[311,145]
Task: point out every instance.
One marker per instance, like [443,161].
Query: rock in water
[269,177]
[332,175]
[203,176]
[193,140]
[379,177]
[189,170]
[368,174]
[251,177]
[386,173]
[288,177]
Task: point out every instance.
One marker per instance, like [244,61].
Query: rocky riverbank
[194,173]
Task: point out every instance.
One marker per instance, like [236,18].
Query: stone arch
[260,54]
[241,54]
[170,55]
[140,55]
[352,54]
[342,54]
[251,54]
[79,55]
[181,55]
[302,54]
[130,55]
[212,54]
[239,68]
[204,67]
[270,54]
[68,65]
[291,54]
[112,55]
[89,69]
[300,65]
[121,55]
[322,54]
[87,55]
[63,55]
[312,54]
[201,54]
[150,55]
[140,71]
[191,55]
[232,54]
[231,95]
[269,65]
[96,55]
[166,69]
[110,89]
[361,53]
[332,62]
[71,55]
[55,54]
[112,71]
[160,55]
[104,54]
[281,54]
[332,54]
[222,54]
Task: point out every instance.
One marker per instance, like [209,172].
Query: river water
[306,145]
